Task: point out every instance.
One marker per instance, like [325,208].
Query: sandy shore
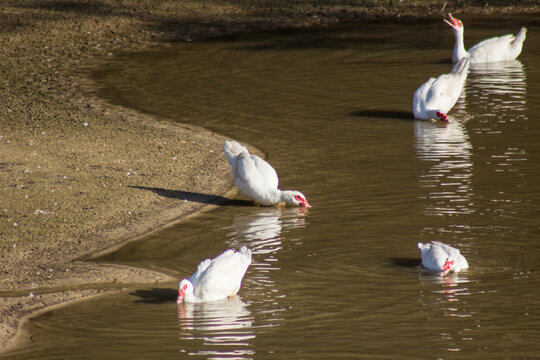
[79,176]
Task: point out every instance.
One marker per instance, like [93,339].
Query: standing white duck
[502,48]
[441,257]
[216,279]
[434,98]
[257,179]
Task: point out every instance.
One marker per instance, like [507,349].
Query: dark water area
[331,108]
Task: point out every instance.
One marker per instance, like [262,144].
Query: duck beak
[305,204]
[453,21]
[446,267]
[181,294]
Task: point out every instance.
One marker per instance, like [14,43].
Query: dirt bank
[77,175]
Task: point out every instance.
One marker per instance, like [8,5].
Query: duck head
[456,24]
[296,198]
[448,265]
[184,288]
[442,116]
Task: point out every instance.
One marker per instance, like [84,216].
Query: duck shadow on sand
[195,197]
[155,296]
[383,114]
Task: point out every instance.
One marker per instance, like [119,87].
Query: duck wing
[254,177]
[267,172]
[501,48]
[433,255]
[194,279]
[223,276]
[420,97]
[232,149]
[446,89]
[461,262]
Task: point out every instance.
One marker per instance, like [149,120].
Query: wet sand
[79,176]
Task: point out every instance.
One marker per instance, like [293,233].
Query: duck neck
[459,47]
[286,196]
[272,197]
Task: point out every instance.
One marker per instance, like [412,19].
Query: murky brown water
[331,107]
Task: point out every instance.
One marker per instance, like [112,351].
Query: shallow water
[331,108]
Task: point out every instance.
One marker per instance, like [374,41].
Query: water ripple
[498,90]
[448,179]
[217,330]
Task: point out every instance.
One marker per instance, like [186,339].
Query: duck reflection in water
[448,179]
[261,230]
[498,90]
[264,231]
[221,315]
[448,317]
[224,327]
[441,290]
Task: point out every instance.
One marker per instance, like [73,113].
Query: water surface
[331,108]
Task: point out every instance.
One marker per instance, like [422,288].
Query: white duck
[441,257]
[502,48]
[216,279]
[437,96]
[257,179]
